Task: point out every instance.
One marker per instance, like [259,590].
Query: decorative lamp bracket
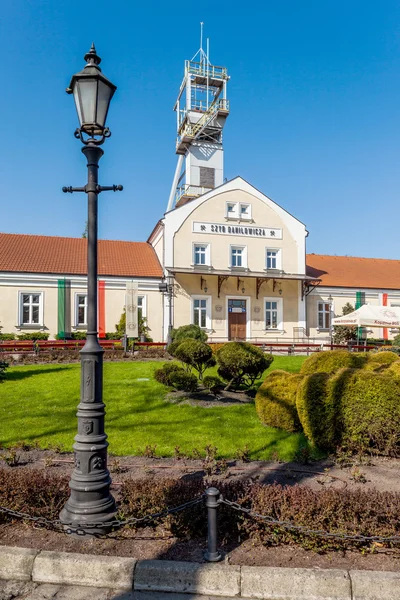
[259,282]
[221,279]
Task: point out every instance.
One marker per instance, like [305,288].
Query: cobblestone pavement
[20,590]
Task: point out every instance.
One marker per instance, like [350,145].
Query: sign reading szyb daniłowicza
[244,230]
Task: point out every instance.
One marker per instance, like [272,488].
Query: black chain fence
[89,528]
[212,500]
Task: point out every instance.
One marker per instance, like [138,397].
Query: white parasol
[370,316]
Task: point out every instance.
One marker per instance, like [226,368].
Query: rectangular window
[273,258]
[30,308]
[271,314]
[237,258]
[324,315]
[200,255]
[140,307]
[238,210]
[245,211]
[231,210]
[200,312]
[81,309]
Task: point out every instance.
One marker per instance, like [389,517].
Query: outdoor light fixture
[203,285]
[243,290]
[90,507]
[280,291]
[92,94]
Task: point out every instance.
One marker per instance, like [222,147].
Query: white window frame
[324,312]
[208,310]
[207,254]
[236,213]
[278,259]
[245,217]
[144,305]
[21,294]
[244,256]
[231,214]
[76,320]
[279,316]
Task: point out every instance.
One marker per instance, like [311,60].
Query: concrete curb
[194,579]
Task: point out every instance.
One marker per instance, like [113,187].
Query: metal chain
[306,530]
[80,528]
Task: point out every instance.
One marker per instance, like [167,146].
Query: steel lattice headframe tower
[201,108]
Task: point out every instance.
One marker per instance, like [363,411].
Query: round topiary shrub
[192,332]
[370,412]
[331,361]
[380,361]
[195,354]
[317,410]
[164,374]
[171,349]
[213,383]
[276,401]
[241,363]
[184,381]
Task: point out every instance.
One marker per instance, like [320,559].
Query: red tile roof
[61,255]
[354,272]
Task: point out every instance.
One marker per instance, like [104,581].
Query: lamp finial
[92,58]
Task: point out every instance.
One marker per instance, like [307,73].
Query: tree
[196,354]
[241,363]
[185,332]
[85,231]
[343,334]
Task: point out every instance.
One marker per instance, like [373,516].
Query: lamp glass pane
[104,94]
[85,94]
[77,103]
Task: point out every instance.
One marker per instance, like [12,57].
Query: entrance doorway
[237,320]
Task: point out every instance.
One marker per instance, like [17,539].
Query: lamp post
[90,500]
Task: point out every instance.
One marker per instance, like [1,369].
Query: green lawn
[38,403]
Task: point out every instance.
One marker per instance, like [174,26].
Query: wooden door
[237,320]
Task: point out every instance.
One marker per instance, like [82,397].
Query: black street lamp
[90,501]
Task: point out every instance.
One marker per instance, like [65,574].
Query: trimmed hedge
[394,369]
[370,412]
[276,401]
[331,361]
[316,411]
[33,336]
[379,361]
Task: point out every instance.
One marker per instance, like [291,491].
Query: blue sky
[314,121]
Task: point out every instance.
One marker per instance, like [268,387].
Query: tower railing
[204,69]
[191,191]
[194,129]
